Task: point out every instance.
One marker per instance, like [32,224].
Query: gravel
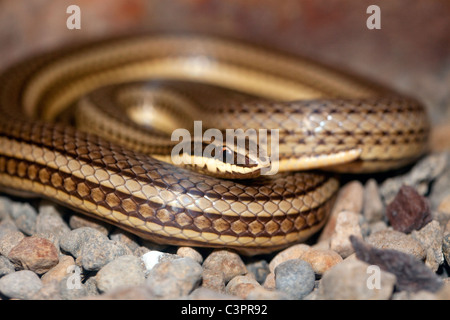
[47,252]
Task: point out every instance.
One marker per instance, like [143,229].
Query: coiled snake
[325,118]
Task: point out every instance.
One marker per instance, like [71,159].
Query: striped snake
[325,118]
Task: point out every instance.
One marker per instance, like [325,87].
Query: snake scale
[327,118]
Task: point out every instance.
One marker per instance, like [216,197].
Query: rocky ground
[384,240]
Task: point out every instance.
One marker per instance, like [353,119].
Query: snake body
[326,118]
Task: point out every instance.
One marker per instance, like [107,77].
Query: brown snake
[325,118]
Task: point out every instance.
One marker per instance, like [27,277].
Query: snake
[328,121]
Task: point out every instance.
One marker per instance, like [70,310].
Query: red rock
[35,254]
[408,211]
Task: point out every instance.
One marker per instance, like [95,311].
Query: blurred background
[411,51]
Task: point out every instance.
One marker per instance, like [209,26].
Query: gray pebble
[9,241]
[175,278]
[20,285]
[5,208]
[259,269]
[74,240]
[6,226]
[130,240]
[295,277]
[81,221]
[24,216]
[95,255]
[50,220]
[124,271]
[6,266]
[260,293]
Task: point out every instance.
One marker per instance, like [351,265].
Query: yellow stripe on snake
[326,118]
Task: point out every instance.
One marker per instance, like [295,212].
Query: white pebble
[151,258]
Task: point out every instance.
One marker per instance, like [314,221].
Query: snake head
[223,160]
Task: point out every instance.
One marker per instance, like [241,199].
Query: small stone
[5,208]
[175,278]
[10,240]
[20,285]
[321,260]
[408,211]
[214,280]
[7,226]
[446,247]
[35,254]
[259,270]
[347,224]
[269,283]
[152,258]
[95,255]
[412,274]
[241,286]
[430,237]
[293,252]
[350,198]
[73,241]
[81,221]
[260,293]
[124,271]
[189,252]
[373,209]
[350,280]
[141,292]
[24,216]
[295,278]
[6,267]
[395,240]
[130,240]
[425,171]
[377,226]
[229,262]
[49,220]
[64,268]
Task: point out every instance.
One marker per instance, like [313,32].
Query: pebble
[321,260]
[241,286]
[24,216]
[174,278]
[395,240]
[213,280]
[92,249]
[293,252]
[347,224]
[227,261]
[5,208]
[9,240]
[20,285]
[373,209]
[35,254]
[259,270]
[350,198]
[130,240]
[6,267]
[423,172]
[50,220]
[124,271]
[152,258]
[269,283]
[7,226]
[141,292]
[430,237]
[295,278]
[446,247]
[64,268]
[81,221]
[350,280]
[189,252]
[408,211]
[444,205]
